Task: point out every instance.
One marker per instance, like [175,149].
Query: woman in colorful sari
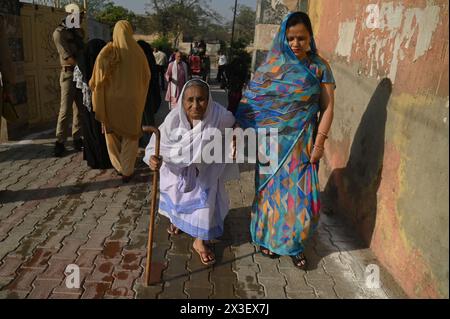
[292,91]
[193,194]
[119,87]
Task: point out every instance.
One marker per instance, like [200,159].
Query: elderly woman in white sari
[193,194]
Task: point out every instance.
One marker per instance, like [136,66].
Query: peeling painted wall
[386,167]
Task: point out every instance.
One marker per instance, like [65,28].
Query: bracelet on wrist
[323,134]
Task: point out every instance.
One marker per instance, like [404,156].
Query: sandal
[267,253]
[204,257]
[300,261]
[173,230]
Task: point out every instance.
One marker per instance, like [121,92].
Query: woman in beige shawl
[119,87]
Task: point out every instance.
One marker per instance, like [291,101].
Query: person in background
[161,62]
[222,63]
[195,49]
[153,95]
[95,152]
[237,74]
[177,75]
[69,44]
[119,85]
[202,47]
[172,56]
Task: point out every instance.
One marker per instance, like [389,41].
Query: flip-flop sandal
[202,254]
[300,261]
[267,253]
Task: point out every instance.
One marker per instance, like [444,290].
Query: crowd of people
[114,89]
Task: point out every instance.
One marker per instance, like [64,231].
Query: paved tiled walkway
[56,212]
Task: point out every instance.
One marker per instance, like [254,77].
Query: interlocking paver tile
[57,211]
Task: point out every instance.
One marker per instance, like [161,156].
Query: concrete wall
[386,167]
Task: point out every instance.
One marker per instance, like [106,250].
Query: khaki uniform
[71,97]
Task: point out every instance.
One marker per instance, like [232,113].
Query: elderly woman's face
[195,103]
[299,40]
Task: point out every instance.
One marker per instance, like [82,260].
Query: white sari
[193,194]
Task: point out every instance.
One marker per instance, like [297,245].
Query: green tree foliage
[112,13]
[193,18]
[245,24]
[94,7]
[163,44]
[97,6]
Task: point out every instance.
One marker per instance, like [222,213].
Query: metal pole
[234,22]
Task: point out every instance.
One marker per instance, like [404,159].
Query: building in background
[29,29]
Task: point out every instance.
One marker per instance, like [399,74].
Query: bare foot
[207,257]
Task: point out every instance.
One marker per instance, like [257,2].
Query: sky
[221,6]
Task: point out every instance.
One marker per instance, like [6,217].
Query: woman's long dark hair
[300,18]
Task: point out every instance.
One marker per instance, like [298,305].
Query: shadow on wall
[352,191]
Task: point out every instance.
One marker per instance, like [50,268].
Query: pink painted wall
[386,168]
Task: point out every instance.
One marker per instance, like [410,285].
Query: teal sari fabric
[285,95]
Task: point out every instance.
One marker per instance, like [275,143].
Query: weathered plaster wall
[386,168]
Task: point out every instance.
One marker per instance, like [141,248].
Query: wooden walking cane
[148,267]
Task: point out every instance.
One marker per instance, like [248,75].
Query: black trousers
[220,72]
[161,73]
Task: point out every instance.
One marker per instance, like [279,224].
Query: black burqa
[95,151]
[154,93]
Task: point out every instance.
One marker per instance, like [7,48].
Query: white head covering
[181,145]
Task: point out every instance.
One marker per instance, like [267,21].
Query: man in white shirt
[161,62]
[222,63]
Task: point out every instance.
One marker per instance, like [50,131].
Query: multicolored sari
[285,94]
